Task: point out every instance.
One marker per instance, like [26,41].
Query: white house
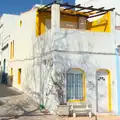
[57,56]
[7,24]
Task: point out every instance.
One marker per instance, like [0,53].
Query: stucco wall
[90,52]
[9,22]
[23,37]
[66,49]
[35,74]
[100,3]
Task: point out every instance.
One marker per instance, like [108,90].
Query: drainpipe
[117,51]
[118,79]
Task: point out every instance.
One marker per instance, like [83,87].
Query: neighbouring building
[57,56]
[100,3]
[7,24]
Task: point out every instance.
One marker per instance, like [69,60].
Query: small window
[13,49]
[10,50]
[11,74]
[20,23]
[19,76]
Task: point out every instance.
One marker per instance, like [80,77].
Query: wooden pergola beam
[95,15]
[90,8]
[83,8]
[95,10]
[72,7]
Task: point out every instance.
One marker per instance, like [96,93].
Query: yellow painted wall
[19,76]
[11,74]
[40,21]
[101,25]
[12,49]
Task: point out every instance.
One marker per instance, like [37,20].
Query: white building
[100,3]
[7,23]
[56,57]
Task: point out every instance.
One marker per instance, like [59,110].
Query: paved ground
[94,118]
[18,106]
[15,105]
[6,91]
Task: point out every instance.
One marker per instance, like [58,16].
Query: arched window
[75,85]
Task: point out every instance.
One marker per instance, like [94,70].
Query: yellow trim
[10,50]
[109,90]
[84,86]
[19,76]
[13,49]
[20,23]
[84,90]
[37,24]
[11,74]
[76,100]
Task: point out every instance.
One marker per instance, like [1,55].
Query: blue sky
[18,6]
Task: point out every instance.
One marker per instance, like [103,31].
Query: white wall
[100,3]
[9,23]
[89,51]
[23,37]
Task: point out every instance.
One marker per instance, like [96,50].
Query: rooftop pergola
[76,10]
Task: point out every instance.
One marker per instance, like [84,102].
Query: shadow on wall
[45,76]
[77,59]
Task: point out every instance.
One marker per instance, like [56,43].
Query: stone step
[82,109]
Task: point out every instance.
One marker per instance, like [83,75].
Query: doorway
[4,74]
[4,65]
[103,93]
[19,76]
